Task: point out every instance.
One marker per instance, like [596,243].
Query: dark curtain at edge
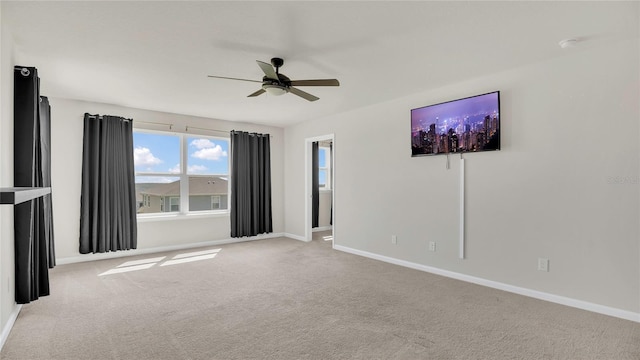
[33,246]
[332,184]
[250,184]
[315,184]
[46,201]
[108,199]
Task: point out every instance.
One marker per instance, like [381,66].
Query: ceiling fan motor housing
[282,79]
[277,62]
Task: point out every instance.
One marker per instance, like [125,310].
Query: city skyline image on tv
[465,125]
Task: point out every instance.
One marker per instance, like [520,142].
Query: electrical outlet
[394,239]
[432,246]
[543,264]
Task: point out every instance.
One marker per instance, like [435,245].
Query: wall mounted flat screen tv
[465,125]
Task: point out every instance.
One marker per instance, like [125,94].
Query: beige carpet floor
[286,299]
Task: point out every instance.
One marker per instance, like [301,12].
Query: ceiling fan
[276,83]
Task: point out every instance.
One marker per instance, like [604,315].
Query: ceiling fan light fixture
[276,90]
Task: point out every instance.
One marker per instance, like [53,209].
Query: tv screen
[465,125]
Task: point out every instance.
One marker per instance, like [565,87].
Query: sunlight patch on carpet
[188,259]
[142,261]
[143,264]
[119,270]
[196,253]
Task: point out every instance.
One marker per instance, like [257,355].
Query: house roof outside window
[198,185]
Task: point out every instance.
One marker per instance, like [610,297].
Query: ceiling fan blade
[302,94]
[268,70]
[230,78]
[259,92]
[318,82]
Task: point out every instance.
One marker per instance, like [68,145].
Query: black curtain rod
[24,70]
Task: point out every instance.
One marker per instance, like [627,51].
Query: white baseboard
[296,237]
[125,253]
[9,325]
[322,228]
[584,305]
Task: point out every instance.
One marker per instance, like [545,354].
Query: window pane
[174,203]
[208,193]
[322,174]
[208,156]
[156,153]
[215,202]
[322,157]
[154,194]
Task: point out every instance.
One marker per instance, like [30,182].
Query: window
[324,159]
[174,203]
[215,202]
[208,172]
[180,173]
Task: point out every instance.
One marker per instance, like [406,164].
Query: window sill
[176,216]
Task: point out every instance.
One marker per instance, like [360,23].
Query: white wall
[7,267]
[563,187]
[66,152]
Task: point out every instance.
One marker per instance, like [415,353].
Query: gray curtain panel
[46,201]
[250,184]
[108,196]
[315,185]
[31,156]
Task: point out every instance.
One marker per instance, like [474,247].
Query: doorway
[327,188]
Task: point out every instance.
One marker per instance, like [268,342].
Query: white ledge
[17,195]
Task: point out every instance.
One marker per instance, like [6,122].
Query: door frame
[308,163]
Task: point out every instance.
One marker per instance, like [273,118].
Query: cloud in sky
[175,169]
[202,143]
[142,156]
[207,150]
[214,153]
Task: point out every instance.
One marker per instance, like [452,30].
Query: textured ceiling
[157,55]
